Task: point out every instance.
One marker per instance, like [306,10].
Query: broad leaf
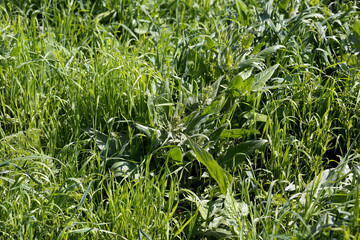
[356,29]
[252,62]
[211,44]
[196,122]
[215,135]
[148,131]
[175,154]
[261,78]
[215,87]
[222,177]
[237,133]
[257,48]
[215,107]
[267,52]
[122,168]
[240,87]
[237,154]
[257,117]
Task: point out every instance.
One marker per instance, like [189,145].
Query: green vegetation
[196,119]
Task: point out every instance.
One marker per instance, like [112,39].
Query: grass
[179,119]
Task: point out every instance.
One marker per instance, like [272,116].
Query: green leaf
[257,117]
[87,230]
[196,122]
[252,62]
[356,29]
[261,78]
[83,230]
[222,177]
[122,168]
[151,109]
[241,87]
[215,107]
[215,135]
[242,6]
[141,233]
[258,48]
[284,5]
[180,230]
[242,11]
[267,52]
[237,133]
[236,154]
[211,44]
[175,154]
[246,41]
[314,2]
[148,131]
[129,31]
[215,87]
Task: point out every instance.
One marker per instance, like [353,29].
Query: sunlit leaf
[237,154]
[175,154]
[267,52]
[237,133]
[222,177]
[261,78]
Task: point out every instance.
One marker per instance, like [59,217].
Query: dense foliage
[196,119]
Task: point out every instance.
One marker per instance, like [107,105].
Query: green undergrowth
[179,119]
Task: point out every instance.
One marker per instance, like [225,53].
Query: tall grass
[179,119]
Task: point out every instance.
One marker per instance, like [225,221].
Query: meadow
[197,119]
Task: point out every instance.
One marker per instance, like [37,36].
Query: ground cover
[179,119]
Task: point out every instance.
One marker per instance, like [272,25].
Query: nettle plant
[205,117]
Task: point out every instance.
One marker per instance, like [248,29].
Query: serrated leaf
[218,234]
[142,30]
[233,206]
[222,177]
[151,108]
[261,78]
[313,15]
[109,145]
[236,154]
[245,74]
[242,11]
[242,6]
